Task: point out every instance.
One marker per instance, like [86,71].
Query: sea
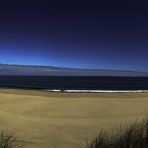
[76,83]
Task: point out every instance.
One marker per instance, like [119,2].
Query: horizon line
[62,67]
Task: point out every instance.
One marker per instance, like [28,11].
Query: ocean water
[76,83]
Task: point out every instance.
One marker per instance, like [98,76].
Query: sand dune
[44,120]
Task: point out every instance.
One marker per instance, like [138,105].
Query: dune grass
[9,141]
[132,135]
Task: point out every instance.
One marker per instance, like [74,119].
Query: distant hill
[7,70]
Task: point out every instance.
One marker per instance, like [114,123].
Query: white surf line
[107,91]
[53,90]
[98,91]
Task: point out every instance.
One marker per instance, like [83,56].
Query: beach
[50,119]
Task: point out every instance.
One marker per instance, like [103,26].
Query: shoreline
[74,90]
[96,91]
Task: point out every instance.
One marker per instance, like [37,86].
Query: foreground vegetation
[132,135]
[9,141]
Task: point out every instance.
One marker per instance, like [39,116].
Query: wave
[97,91]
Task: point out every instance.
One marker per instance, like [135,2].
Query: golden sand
[48,120]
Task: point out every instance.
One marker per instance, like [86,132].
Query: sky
[78,34]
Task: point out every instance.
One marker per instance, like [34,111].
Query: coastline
[97,91]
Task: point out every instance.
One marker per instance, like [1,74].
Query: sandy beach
[48,120]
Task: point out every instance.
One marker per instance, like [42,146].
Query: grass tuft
[9,141]
[133,135]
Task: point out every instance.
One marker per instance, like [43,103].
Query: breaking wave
[97,91]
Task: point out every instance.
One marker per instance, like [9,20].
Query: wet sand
[44,120]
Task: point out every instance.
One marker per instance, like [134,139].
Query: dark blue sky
[83,34]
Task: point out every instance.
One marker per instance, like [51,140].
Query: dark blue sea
[74,82]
